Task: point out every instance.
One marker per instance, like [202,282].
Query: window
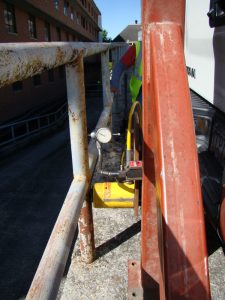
[78,19]
[61,72]
[17,86]
[47,32]
[51,75]
[9,17]
[82,21]
[65,8]
[32,27]
[72,14]
[56,3]
[37,80]
[67,36]
[58,34]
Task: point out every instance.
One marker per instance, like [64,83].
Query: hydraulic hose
[99,164]
[135,105]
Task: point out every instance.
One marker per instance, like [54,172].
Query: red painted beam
[174,254]
[158,11]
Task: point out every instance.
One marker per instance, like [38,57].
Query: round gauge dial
[103,135]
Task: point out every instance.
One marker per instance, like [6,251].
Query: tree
[105,37]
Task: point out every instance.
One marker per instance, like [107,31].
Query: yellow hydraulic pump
[113,194]
[119,194]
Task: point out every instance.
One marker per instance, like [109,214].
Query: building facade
[43,21]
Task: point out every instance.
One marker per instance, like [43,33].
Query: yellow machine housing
[113,194]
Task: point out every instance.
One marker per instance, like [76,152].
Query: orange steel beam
[158,11]
[174,255]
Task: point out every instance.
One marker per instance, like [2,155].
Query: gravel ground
[116,242]
[217,274]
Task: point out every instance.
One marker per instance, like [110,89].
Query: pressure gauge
[103,135]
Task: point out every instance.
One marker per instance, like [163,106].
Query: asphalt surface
[33,184]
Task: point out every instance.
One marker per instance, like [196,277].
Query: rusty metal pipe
[86,233]
[20,61]
[50,270]
[86,228]
[107,98]
[79,146]
[77,116]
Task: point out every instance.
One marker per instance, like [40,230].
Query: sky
[117,14]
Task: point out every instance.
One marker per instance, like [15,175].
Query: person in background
[131,58]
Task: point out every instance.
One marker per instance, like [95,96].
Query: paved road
[33,185]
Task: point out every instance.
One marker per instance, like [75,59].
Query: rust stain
[75,117]
[30,67]
[76,56]
[80,178]
[86,228]
[60,55]
[26,66]
[62,227]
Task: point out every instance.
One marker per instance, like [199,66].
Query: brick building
[43,21]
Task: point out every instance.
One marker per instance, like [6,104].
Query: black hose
[99,164]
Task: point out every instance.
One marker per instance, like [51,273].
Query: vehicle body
[204,53]
[204,46]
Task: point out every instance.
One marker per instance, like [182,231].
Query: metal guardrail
[13,132]
[20,61]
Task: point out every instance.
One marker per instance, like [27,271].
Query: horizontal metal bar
[117,45]
[56,253]
[20,61]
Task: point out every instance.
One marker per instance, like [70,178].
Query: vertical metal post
[125,95]
[174,255]
[107,98]
[79,149]
[86,233]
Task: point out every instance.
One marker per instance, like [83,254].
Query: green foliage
[110,66]
[105,37]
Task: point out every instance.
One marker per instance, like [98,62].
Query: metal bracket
[135,290]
